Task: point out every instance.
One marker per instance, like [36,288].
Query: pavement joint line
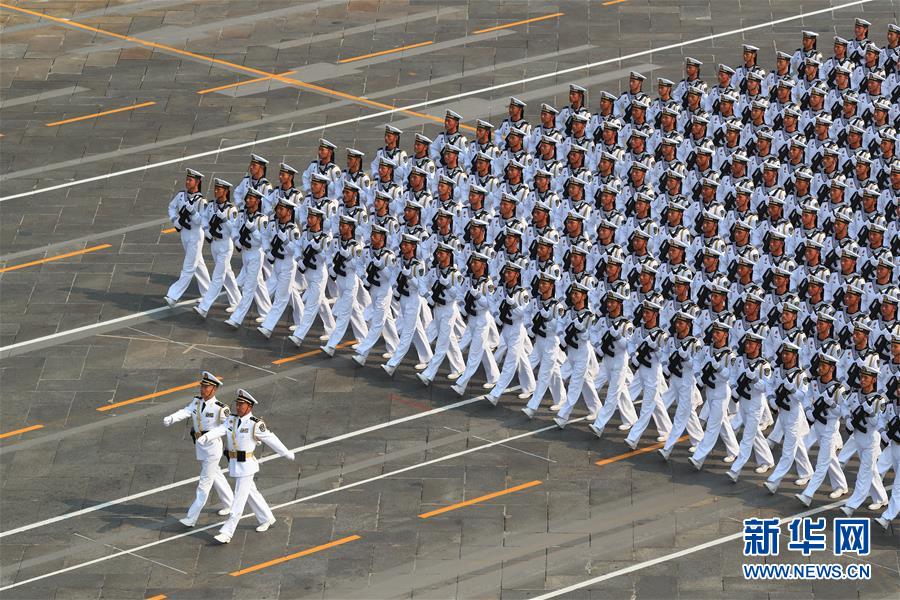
[475,437]
[341,488]
[306,447]
[57,257]
[220,62]
[101,114]
[20,431]
[517,23]
[406,109]
[644,450]
[136,399]
[479,499]
[678,554]
[130,553]
[384,52]
[240,83]
[302,553]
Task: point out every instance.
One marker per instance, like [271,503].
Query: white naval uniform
[218,224]
[477,305]
[681,365]
[249,238]
[311,256]
[185,213]
[444,297]
[610,339]
[204,416]
[645,348]
[751,379]
[409,291]
[865,410]
[545,354]
[242,436]
[380,267]
[511,309]
[281,256]
[787,398]
[580,365]
[345,268]
[715,377]
[892,430]
[825,414]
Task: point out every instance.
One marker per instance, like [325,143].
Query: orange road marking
[160,597]
[148,396]
[169,230]
[383,52]
[516,23]
[240,83]
[491,496]
[611,2]
[283,559]
[288,359]
[218,61]
[612,459]
[52,258]
[18,431]
[101,114]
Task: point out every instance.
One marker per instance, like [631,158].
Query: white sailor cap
[580,117]
[507,197]
[579,249]
[651,266]
[382,195]
[653,301]
[388,128]
[541,172]
[871,365]
[788,345]
[755,333]
[810,34]
[446,180]
[413,204]
[862,22]
[718,285]
[723,323]
[256,158]
[453,115]
[542,205]
[689,60]
[408,238]
[207,378]
[477,189]
[839,41]
[514,163]
[576,181]
[579,286]
[423,139]
[448,147]
[349,220]
[750,48]
[443,212]
[376,228]
[512,265]
[636,75]
[516,102]
[515,131]
[756,74]
[618,291]
[350,185]
[287,203]
[753,293]
[386,162]
[548,109]
[222,183]
[287,169]
[318,177]
[605,95]
[244,396]
[478,223]
[723,68]
[574,87]
[826,313]
[791,302]
[729,95]
[664,82]
[614,124]
[641,101]
[548,139]
[445,247]
[781,55]
[812,61]
[830,353]
[252,191]
[323,143]
[314,211]
[749,258]
[193,173]
[482,124]
[355,152]
[893,28]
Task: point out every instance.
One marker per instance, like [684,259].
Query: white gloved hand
[202,439]
[168,421]
[291,456]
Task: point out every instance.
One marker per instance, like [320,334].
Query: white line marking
[674,555]
[6,349]
[286,504]
[384,113]
[163,488]
[130,553]
[475,437]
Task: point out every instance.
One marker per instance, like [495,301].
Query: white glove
[168,421]
[291,456]
[202,439]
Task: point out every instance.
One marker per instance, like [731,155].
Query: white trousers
[447,344]
[581,371]
[245,491]
[284,290]
[717,424]
[826,461]
[347,311]
[868,479]
[793,450]
[412,331]
[380,321]
[545,356]
[516,360]
[687,396]
[314,304]
[193,266]
[222,276]
[479,333]
[614,373]
[752,438]
[647,382]
[252,288]
[893,508]
[210,477]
